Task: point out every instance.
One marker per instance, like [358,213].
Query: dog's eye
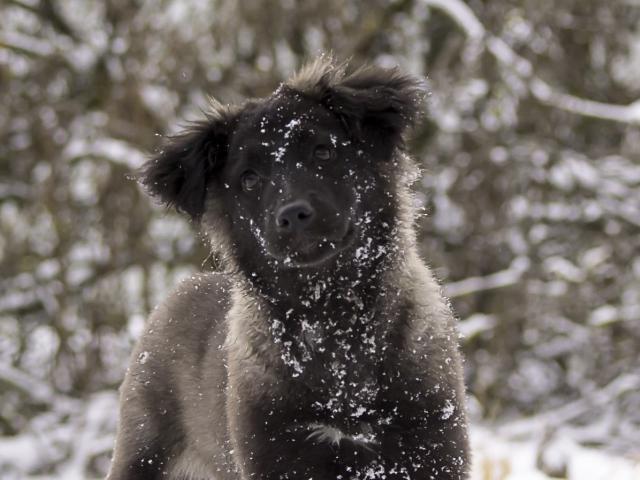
[249,180]
[322,152]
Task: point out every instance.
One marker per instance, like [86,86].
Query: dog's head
[303,178]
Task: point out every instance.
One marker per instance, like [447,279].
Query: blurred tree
[531,187]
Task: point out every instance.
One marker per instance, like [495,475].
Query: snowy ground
[75,438]
[495,458]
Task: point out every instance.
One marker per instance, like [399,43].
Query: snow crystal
[359,412]
[291,126]
[448,410]
[143,357]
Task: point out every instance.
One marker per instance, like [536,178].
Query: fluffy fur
[325,350]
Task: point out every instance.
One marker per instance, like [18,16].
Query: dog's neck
[324,322]
[314,295]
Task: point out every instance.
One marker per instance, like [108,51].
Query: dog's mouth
[309,252]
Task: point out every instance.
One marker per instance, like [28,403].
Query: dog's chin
[314,252]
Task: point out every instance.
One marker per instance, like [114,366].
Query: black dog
[326,350]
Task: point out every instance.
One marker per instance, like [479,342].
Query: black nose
[295,216]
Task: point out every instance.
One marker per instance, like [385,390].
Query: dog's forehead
[284,115]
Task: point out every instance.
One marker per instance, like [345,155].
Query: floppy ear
[181,172]
[378,101]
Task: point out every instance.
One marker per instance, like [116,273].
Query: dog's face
[304,178]
[296,184]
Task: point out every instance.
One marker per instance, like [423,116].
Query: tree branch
[462,14]
[38,390]
[471,285]
[26,6]
[468,22]
[25,44]
[590,402]
[49,12]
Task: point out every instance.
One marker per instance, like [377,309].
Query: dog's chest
[344,392]
[341,377]
[334,358]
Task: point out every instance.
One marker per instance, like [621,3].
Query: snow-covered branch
[468,22]
[460,13]
[70,435]
[468,286]
[25,44]
[36,389]
[117,151]
[29,6]
[589,108]
[476,324]
[503,278]
[587,404]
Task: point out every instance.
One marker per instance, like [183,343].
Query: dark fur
[326,350]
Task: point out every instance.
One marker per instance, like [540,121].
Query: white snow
[462,14]
[117,151]
[498,453]
[497,457]
[503,278]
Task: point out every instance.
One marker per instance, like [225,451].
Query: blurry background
[531,189]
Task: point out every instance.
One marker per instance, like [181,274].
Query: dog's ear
[378,101]
[180,174]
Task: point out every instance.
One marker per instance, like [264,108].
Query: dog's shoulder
[201,294]
[192,314]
